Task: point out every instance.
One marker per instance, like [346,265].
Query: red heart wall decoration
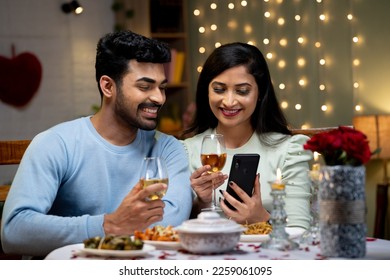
[20,78]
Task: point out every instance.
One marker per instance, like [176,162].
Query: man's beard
[133,119]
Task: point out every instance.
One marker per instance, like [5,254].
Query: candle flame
[278,175]
[278,185]
[316,165]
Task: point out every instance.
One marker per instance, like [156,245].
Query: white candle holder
[279,238]
[312,235]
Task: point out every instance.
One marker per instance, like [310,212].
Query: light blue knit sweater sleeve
[70,177]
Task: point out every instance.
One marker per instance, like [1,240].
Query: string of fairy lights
[291,36]
[356,39]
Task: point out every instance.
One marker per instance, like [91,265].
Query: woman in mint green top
[235,97]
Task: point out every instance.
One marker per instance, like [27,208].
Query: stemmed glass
[154,171]
[312,235]
[213,153]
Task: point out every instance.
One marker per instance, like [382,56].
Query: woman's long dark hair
[267,117]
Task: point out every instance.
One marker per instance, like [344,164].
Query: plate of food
[116,246]
[164,245]
[259,232]
[161,237]
[119,253]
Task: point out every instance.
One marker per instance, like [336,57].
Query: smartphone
[242,172]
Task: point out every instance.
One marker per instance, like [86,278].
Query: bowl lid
[210,222]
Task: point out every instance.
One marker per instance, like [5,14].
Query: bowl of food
[209,233]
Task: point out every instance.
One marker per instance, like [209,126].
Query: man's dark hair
[115,50]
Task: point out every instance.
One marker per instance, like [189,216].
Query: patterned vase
[342,220]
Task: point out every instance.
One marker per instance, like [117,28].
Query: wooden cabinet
[165,20]
[168,23]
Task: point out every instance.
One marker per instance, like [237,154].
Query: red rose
[341,146]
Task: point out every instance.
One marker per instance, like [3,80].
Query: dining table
[376,249]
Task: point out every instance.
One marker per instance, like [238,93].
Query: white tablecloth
[376,249]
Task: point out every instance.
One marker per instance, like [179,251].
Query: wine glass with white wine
[213,153]
[154,171]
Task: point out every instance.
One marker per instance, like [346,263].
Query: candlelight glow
[278,175]
[316,166]
[278,185]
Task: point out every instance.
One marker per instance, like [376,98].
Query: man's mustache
[149,105]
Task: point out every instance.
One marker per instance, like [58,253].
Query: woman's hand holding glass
[203,181]
[213,154]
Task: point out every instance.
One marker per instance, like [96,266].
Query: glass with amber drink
[154,171]
[213,153]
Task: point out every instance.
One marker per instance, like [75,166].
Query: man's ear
[107,85]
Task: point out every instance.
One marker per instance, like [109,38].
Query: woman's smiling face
[233,96]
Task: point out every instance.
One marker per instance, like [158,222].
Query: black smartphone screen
[243,172]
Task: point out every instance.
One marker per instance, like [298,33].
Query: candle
[316,165]
[278,185]
[315,169]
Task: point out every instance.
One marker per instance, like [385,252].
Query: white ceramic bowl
[209,233]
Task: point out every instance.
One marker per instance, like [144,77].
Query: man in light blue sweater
[80,179]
